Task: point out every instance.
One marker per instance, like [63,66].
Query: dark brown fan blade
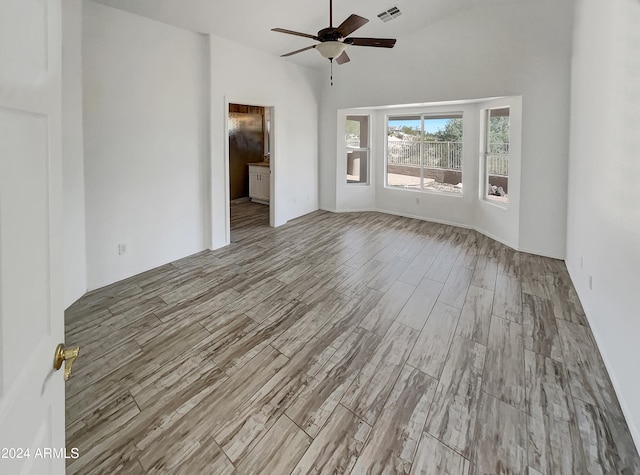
[343,58]
[298,51]
[296,33]
[351,24]
[376,42]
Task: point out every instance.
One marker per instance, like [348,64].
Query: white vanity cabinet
[259,176]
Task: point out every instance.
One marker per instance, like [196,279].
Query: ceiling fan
[334,40]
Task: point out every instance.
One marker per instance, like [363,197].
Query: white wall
[146,144]
[248,76]
[603,231]
[75,262]
[505,50]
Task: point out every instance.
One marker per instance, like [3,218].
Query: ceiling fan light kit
[334,41]
[331,49]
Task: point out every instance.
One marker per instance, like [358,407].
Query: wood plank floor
[343,343]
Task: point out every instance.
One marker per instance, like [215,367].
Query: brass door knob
[63,354]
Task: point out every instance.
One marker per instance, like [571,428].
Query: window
[496,155]
[357,138]
[424,152]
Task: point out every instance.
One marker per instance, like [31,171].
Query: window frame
[485,154]
[367,149]
[443,114]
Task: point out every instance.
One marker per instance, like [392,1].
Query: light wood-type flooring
[343,343]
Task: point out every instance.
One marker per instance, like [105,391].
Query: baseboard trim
[543,254]
[500,240]
[397,213]
[449,223]
[244,199]
[431,220]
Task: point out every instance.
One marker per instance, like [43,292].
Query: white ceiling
[249,21]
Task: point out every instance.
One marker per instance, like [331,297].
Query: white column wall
[603,231]
[146,142]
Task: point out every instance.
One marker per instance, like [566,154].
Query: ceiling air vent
[389,14]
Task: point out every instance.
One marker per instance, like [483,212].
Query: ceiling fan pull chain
[331,61]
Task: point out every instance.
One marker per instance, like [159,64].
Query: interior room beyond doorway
[249,158]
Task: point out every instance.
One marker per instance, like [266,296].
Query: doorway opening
[250,135]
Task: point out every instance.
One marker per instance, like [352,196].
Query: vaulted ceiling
[249,21]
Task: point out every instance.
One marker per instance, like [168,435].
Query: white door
[31,309]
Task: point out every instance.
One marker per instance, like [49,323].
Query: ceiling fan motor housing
[329,34]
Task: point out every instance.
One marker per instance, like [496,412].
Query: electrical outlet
[122,248]
[590,283]
[417,201]
[581,262]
